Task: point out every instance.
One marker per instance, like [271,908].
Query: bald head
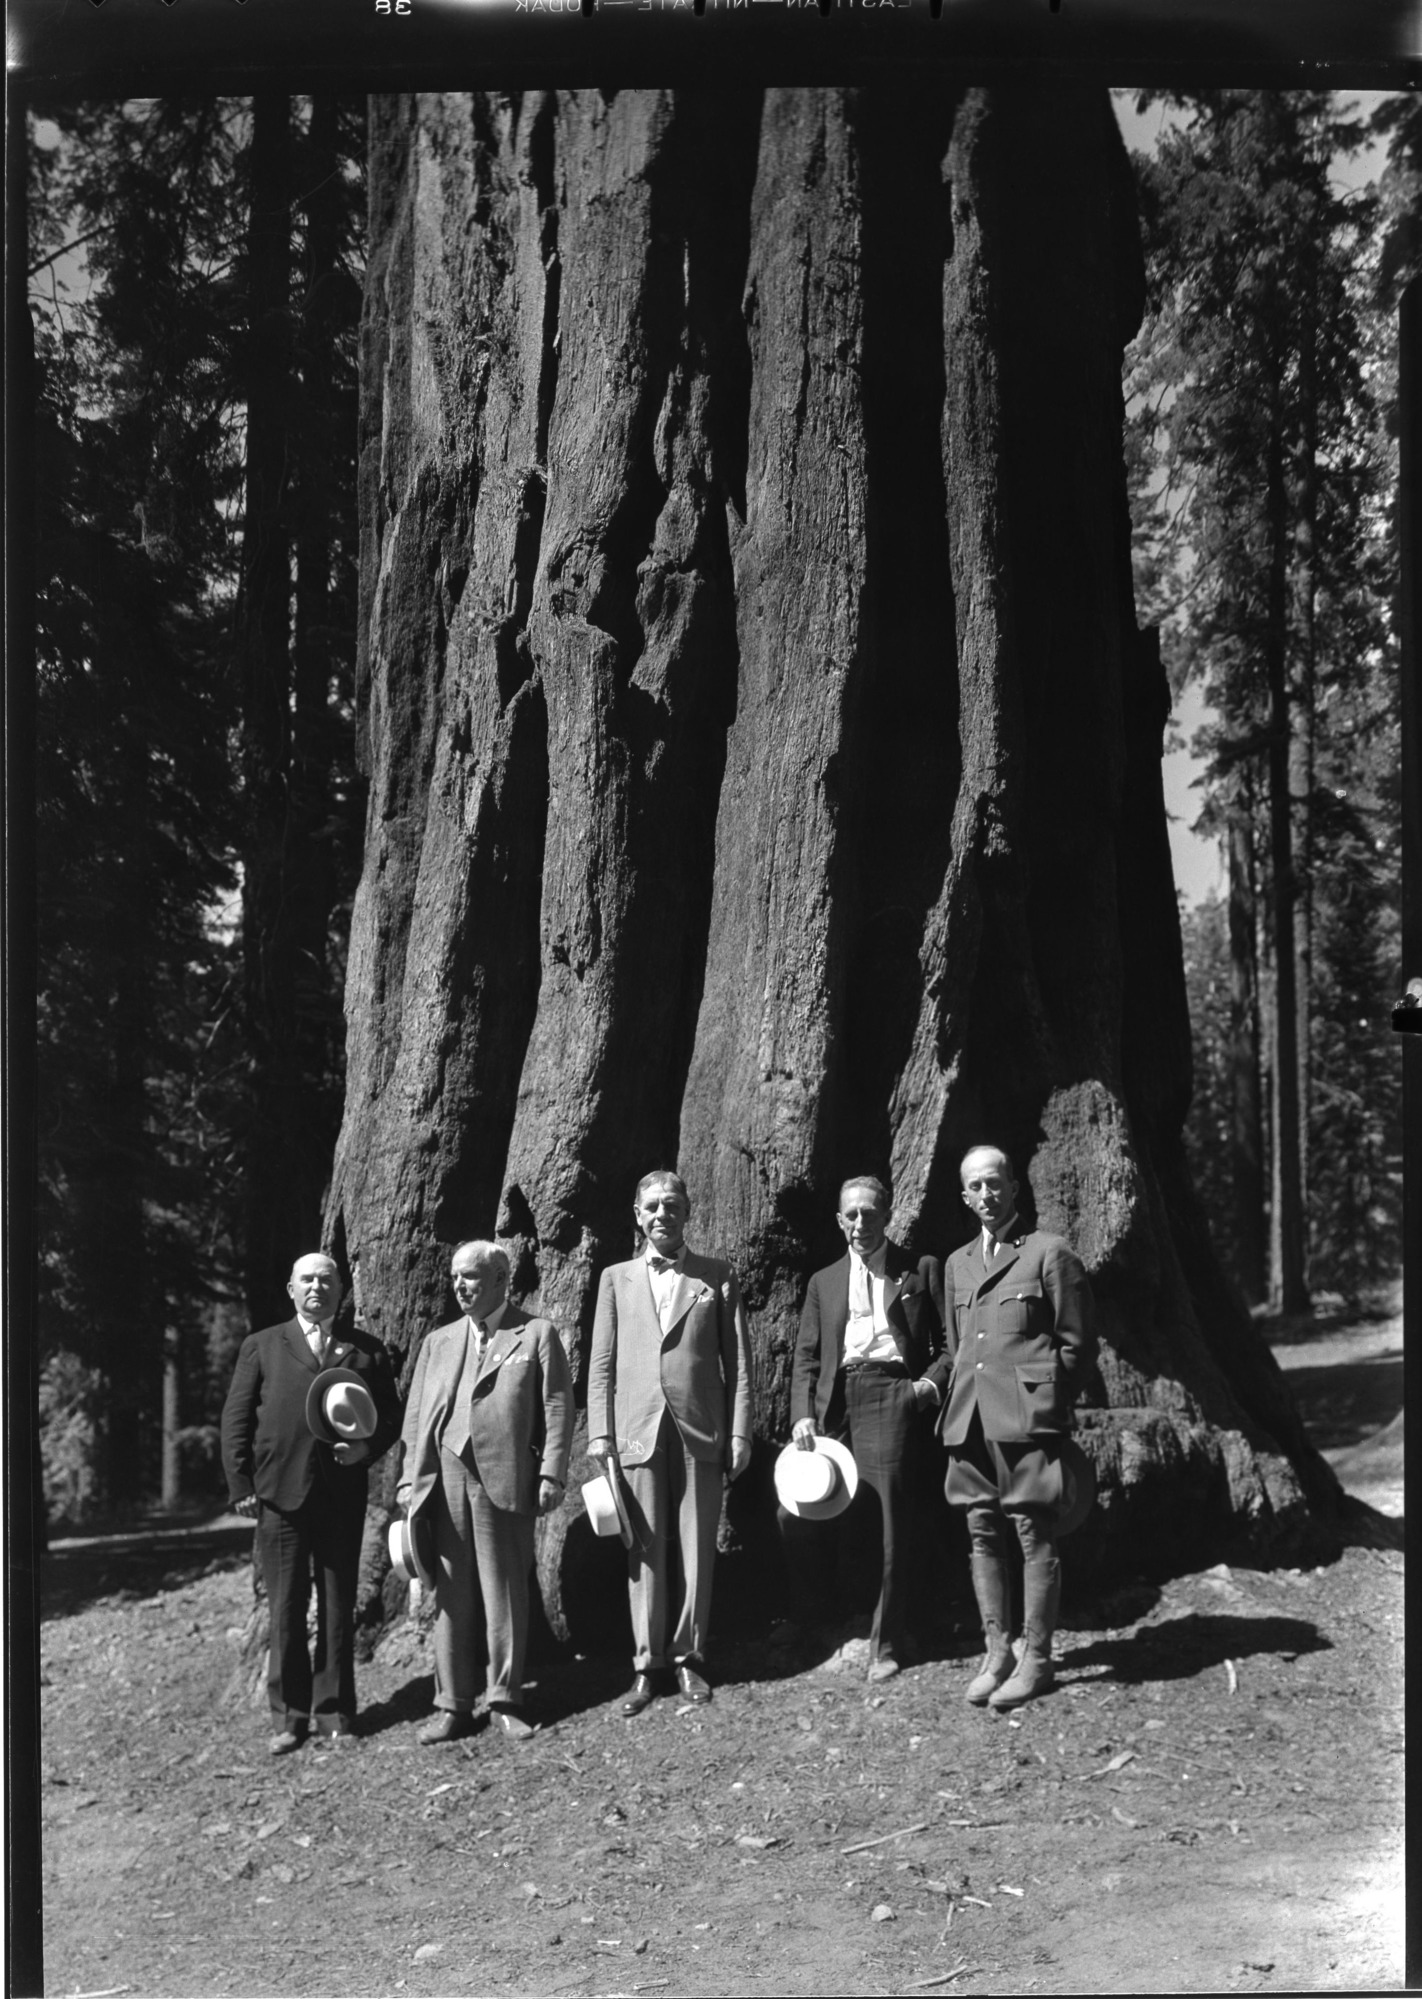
[989,1186]
[314,1287]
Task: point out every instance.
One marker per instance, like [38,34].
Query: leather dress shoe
[693,1687]
[511,1721]
[285,1742]
[339,1730]
[883,1668]
[644,1691]
[449,1725]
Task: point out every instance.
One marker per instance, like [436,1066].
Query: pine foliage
[1262,477]
[139,303]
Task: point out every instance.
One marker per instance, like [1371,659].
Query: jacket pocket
[1041,1398]
[1019,1306]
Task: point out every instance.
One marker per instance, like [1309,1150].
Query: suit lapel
[690,1286]
[1003,1261]
[501,1345]
[635,1284]
[901,1269]
[837,1320]
[296,1340]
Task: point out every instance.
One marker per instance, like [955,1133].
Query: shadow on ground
[74,1574]
[1186,1646]
[1343,1404]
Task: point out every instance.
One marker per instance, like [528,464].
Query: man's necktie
[861,1300]
[661,1263]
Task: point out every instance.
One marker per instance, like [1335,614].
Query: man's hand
[601,1448]
[804,1433]
[247,1505]
[402,1500]
[740,1456]
[352,1454]
[550,1495]
[925,1393]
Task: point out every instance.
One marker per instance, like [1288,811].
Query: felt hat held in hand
[339,1407]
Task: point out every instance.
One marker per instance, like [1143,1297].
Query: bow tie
[661,1263]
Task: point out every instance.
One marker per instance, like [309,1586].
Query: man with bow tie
[870,1358]
[669,1397]
[488,1426]
[307,1496]
[1025,1345]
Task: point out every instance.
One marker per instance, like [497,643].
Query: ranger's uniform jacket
[1025,1339]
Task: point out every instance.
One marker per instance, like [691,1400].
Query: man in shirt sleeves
[307,1496]
[1025,1344]
[669,1397]
[871,1356]
[488,1427]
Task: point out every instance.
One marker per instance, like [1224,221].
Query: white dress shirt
[867,1332]
[663,1282]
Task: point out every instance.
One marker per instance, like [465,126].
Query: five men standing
[489,1421]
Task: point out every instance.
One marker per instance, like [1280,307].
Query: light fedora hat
[818,1483]
[1078,1487]
[606,1506]
[339,1407]
[411,1545]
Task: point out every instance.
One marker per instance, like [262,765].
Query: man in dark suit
[1023,1309]
[307,1497]
[871,1357]
[487,1430]
[669,1396]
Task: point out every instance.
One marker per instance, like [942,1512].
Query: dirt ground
[1212,1800]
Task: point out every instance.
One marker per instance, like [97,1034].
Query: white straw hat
[816,1484]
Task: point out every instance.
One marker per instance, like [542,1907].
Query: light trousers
[675,1505]
[484,1556]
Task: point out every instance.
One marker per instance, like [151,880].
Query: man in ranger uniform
[1025,1344]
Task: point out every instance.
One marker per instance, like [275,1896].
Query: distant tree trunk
[1287,1288]
[286,644]
[269,937]
[1303,725]
[172,1479]
[765,765]
[1246,1104]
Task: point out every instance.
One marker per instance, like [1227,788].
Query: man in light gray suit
[487,1431]
[669,1397]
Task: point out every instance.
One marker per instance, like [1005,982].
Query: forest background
[195,293]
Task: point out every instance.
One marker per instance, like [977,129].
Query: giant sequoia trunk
[764,761]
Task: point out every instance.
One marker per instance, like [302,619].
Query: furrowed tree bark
[1287,1285]
[1246,1096]
[764,761]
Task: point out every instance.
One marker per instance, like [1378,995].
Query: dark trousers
[320,1543]
[882,1428]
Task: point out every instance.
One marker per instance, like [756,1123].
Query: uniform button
[980,1367]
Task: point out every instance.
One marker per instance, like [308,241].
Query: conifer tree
[1265,552]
